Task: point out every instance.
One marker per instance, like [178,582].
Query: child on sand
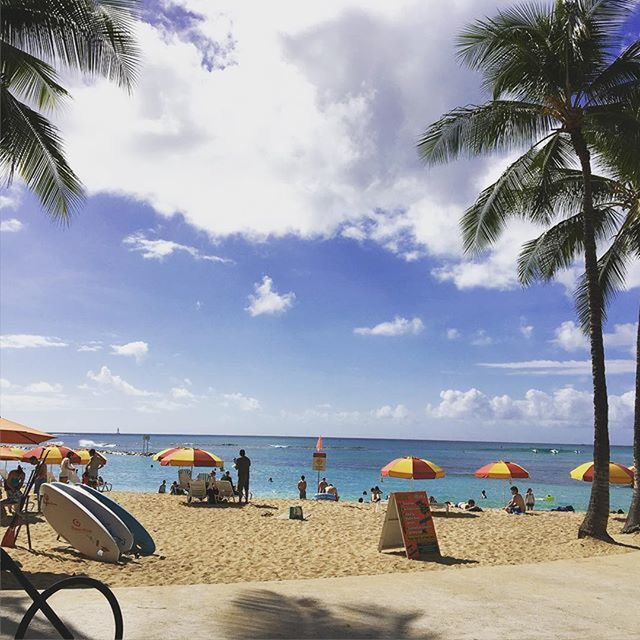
[529,500]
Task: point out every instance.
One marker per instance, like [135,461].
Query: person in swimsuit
[242,465]
[302,488]
[96,462]
[529,500]
[516,505]
[322,485]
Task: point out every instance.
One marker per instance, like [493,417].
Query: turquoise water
[353,465]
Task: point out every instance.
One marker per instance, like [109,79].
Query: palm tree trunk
[632,525]
[597,516]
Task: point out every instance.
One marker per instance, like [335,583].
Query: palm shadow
[261,613]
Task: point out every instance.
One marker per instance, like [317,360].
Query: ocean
[353,465]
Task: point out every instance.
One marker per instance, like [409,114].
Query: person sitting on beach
[322,485]
[174,488]
[302,488]
[433,500]
[529,500]
[516,505]
[163,487]
[227,478]
[104,486]
[66,467]
[212,493]
[14,483]
[332,490]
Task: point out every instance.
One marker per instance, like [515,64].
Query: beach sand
[202,545]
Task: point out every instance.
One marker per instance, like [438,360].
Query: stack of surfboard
[93,523]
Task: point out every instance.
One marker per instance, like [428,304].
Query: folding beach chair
[225,490]
[184,478]
[197,490]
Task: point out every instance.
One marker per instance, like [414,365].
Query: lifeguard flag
[319,444]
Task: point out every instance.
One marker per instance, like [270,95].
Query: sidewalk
[593,598]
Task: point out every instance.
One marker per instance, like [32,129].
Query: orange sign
[409,524]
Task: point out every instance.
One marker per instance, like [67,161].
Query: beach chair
[184,478]
[203,476]
[197,490]
[225,490]
[4,474]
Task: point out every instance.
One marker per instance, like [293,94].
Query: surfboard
[143,543]
[77,525]
[112,523]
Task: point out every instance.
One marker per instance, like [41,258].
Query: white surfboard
[77,525]
[111,522]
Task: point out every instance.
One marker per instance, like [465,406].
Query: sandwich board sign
[319,462]
[409,524]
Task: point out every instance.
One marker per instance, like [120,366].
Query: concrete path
[593,598]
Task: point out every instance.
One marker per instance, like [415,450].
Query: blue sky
[261,251]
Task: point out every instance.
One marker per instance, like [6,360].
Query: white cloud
[29,341]
[10,225]
[160,249]
[396,327]
[565,405]
[107,380]
[561,367]
[527,330]
[267,301]
[138,350]
[36,396]
[569,336]
[33,387]
[242,402]
[266,141]
[43,387]
[90,347]
[452,334]
[399,412]
[481,339]
[181,393]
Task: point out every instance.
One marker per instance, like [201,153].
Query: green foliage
[94,37]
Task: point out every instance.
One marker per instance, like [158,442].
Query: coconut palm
[36,38]
[560,91]
[558,247]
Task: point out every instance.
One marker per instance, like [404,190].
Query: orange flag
[319,444]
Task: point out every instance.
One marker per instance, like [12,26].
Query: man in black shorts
[242,465]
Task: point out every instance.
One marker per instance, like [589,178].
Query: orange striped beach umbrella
[502,470]
[164,452]
[412,468]
[55,454]
[11,453]
[188,457]
[618,473]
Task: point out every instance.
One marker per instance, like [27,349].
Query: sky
[262,252]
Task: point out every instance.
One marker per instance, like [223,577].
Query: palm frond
[557,248]
[500,125]
[31,147]
[30,79]
[92,36]
[619,81]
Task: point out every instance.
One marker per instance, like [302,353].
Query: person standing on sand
[529,500]
[322,485]
[242,465]
[96,462]
[66,467]
[302,488]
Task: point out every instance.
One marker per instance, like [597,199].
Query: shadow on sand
[261,613]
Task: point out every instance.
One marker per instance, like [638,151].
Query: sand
[204,545]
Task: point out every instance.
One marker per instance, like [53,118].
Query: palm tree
[36,36]
[557,89]
[543,257]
